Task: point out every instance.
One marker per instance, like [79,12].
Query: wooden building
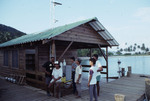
[26,55]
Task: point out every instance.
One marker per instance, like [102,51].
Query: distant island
[133,50]
[8,33]
[129,50]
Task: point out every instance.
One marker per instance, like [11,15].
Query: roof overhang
[101,30]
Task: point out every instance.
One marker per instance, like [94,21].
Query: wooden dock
[132,87]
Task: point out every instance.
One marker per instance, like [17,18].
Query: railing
[88,66]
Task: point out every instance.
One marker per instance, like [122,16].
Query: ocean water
[139,64]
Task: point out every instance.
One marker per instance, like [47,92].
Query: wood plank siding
[43,55]
[83,33]
[21,59]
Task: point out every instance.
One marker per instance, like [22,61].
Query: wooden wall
[83,33]
[43,55]
[1,58]
[7,70]
[21,59]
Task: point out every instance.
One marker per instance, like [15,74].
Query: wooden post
[129,68]
[50,51]
[147,88]
[106,59]
[123,72]
[102,52]
[53,49]
[90,52]
[129,71]
[107,62]
[36,62]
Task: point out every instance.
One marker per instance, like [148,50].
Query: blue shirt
[74,65]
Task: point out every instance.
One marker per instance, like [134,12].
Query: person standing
[99,68]
[48,68]
[74,65]
[92,80]
[78,77]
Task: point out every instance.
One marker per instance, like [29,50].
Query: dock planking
[132,87]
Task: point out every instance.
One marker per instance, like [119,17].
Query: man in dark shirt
[74,65]
[48,68]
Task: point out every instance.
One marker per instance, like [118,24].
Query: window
[15,58]
[5,58]
[30,59]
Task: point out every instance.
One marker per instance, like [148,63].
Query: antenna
[53,3]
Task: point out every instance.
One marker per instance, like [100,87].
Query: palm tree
[134,48]
[135,44]
[143,47]
[147,49]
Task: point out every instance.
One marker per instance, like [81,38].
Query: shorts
[48,79]
[58,81]
[98,78]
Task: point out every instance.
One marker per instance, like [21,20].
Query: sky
[127,20]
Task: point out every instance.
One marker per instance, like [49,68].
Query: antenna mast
[53,20]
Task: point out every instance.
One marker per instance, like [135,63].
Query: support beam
[90,52]
[45,41]
[102,30]
[109,39]
[50,51]
[102,52]
[107,62]
[65,50]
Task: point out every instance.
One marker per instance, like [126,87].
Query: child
[92,80]
[78,77]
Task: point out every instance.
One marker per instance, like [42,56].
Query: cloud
[143,14]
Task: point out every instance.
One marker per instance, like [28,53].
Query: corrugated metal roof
[47,34]
[104,33]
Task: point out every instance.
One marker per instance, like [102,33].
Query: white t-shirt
[93,72]
[57,73]
[78,71]
[97,65]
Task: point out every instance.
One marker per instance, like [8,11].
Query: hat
[56,63]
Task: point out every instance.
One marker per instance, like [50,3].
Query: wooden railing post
[107,62]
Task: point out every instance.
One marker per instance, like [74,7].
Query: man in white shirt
[99,68]
[56,77]
[78,78]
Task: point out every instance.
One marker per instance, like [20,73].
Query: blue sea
[139,64]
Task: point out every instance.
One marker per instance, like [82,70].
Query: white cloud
[143,14]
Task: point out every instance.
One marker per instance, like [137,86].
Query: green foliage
[143,47]
[86,52]
[127,54]
[8,33]
[110,53]
[118,53]
[83,52]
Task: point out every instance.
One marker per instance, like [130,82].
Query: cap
[56,63]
